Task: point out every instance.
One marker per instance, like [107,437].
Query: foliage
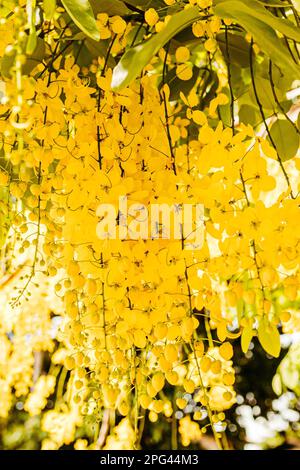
[177,102]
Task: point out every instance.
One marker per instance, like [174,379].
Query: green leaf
[135,35]
[144,4]
[111,7]
[265,36]
[136,58]
[31,16]
[238,49]
[269,338]
[32,42]
[35,58]
[5,206]
[186,37]
[32,60]
[99,49]
[176,85]
[264,92]
[273,3]
[82,14]
[257,10]
[7,62]
[285,27]
[248,115]
[286,139]
[209,86]
[6,6]
[49,7]
[282,81]
[225,109]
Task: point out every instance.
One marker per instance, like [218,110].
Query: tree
[111,108]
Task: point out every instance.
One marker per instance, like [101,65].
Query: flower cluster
[140,320]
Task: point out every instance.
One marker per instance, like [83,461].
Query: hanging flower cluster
[138,325]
